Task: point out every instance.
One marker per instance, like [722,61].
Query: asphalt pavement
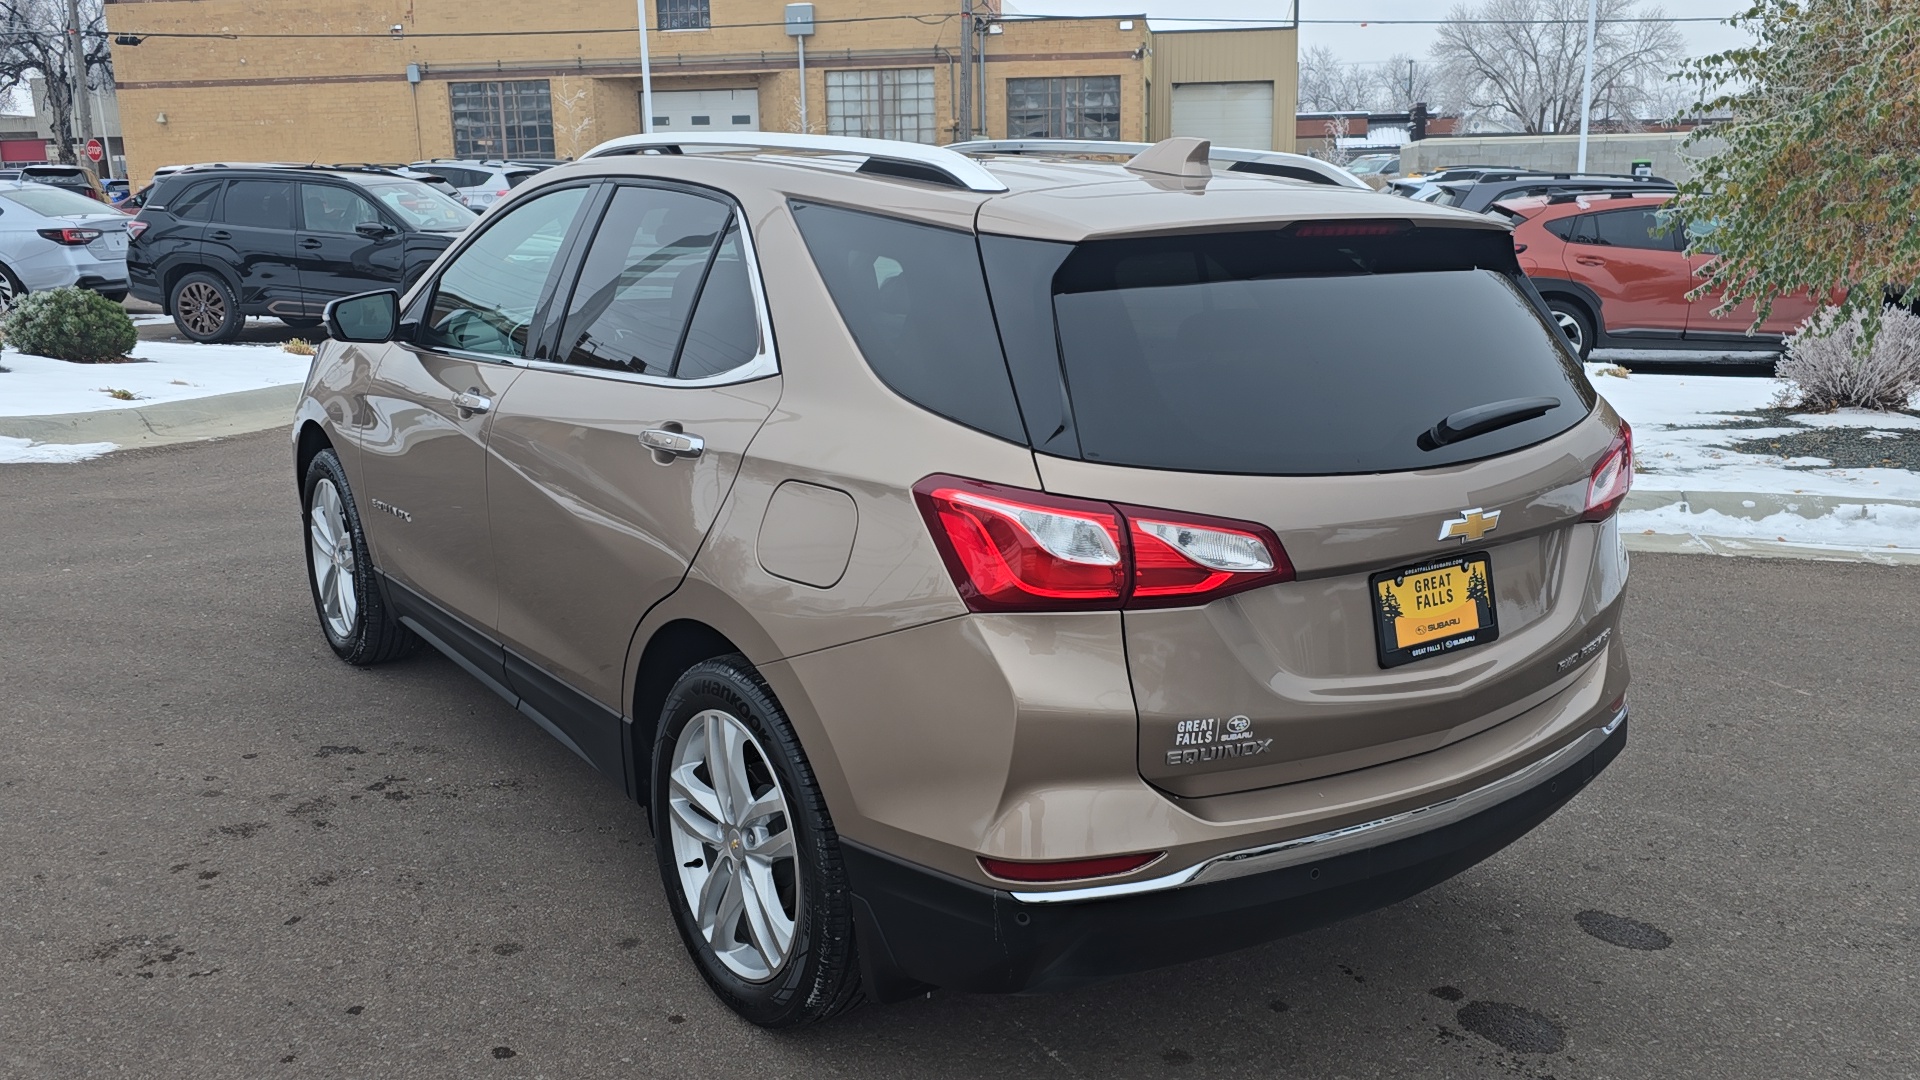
[225,854]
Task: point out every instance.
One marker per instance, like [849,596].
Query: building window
[502,119]
[892,104]
[1086,108]
[683,14]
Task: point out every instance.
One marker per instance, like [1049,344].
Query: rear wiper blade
[1481,419]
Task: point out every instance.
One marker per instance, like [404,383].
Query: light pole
[77,90]
[1586,84]
[646,75]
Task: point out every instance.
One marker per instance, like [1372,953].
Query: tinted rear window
[1259,353]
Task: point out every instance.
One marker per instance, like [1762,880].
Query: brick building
[400,80]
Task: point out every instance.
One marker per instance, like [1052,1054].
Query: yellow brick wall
[324,99]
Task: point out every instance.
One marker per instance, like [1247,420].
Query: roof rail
[886,157]
[1267,162]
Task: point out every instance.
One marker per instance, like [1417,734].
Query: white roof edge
[962,170]
[1336,175]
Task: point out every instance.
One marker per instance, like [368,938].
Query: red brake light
[71,237]
[1009,549]
[1612,478]
[136,227]
[1068,870]
[1350,228]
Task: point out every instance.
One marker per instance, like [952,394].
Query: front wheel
[1573,322]
[358,624]
[747,852]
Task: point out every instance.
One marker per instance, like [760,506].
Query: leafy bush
[1825,367]
[69,323]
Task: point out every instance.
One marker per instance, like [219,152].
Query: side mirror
[369,317]
[374,230]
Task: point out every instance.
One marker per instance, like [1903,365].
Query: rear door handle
[472,401]
[310,243]
[673,443]
[1588,260]
[220,234]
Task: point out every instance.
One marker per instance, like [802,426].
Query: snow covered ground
[1683,428]
[26,451]
[175,371]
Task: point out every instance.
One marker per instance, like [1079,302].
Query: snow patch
[1850,525]
[27,452]
[175,371]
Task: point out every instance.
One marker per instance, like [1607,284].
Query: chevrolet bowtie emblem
[1471,525]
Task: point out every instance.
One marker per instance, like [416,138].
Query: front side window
[502,119]
[653,260]
[1078,108]
[684,14]
[485,299]
[260,204]
[894,104]
[328,208]
[421,206]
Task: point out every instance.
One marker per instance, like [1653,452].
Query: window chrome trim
[1350,838]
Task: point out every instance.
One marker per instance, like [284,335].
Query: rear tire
[205,309]
[748,853]
[1574,322]
[11,288]
[353,615]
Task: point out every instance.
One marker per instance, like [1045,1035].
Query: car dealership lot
[226,854]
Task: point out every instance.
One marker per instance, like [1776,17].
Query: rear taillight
[1010,549]
[71,237]
[136,227]
[1341,229]
[1067,870]
[1612,478]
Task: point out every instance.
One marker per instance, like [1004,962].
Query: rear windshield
[1263,353]
[53,201]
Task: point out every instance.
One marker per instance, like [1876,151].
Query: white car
[481,183]
[51,237]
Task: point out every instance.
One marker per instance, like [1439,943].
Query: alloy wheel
[1571,327]
[733,842]
[8,294]
[330,550]
[202,308]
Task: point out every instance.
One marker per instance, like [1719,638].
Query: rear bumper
[918,927]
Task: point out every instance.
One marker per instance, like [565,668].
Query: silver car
[50,237]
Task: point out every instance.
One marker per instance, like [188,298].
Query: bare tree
[1519,63]
[34,42]
[1330,84]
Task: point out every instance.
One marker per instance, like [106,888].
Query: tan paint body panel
[808,533]
[590,531]
[421,455]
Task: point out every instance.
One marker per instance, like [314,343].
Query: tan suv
[991,570]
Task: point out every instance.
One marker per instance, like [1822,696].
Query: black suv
[1481,192]
[212,248]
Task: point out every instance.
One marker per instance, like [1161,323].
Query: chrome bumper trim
[1352,837]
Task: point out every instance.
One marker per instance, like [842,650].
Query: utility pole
[1586,84]
[77,110]
[966,70]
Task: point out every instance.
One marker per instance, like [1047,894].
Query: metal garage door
[706,110]
[1229,113]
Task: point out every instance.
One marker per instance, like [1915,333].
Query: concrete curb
[168,422]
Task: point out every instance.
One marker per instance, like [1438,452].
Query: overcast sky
[1367,44]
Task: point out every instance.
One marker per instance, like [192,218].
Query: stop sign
[94,150]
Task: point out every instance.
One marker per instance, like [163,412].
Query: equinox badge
[1471,525]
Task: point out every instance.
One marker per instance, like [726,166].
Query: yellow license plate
[1433,608]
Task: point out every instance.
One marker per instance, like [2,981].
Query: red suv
[1617,277]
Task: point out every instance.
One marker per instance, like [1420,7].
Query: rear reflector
[1612,478]
[1070,870]
[1010,549]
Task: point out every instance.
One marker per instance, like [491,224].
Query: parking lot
[230,855]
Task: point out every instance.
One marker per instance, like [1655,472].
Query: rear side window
[1563,227]
[515,179]
[200,202]
[1630,229]
[260,204]
[915,300]
[1268,354]
[641,277]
